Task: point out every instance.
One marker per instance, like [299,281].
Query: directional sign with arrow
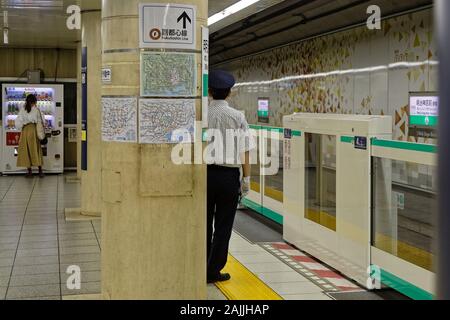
[167,26]
[184,16]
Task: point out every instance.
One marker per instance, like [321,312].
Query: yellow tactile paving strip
[274,194]
[322,218]
[405,251]
[255,187]
[269,192]
[244,285]
[397,248]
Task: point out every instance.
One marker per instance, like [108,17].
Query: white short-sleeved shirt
[25,118]
[229,135]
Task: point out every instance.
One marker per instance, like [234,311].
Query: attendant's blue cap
[219,79]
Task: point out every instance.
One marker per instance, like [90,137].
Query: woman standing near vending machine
[30,151]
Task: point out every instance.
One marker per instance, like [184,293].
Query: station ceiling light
[33,4]
[368,70]
[5,28]
[238,6]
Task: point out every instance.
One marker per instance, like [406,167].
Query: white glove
[245,186]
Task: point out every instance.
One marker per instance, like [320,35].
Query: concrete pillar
[153,235]
[442,12]
[90,176]
[79,111]
[77,178]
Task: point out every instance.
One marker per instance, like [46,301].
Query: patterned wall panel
[357,71]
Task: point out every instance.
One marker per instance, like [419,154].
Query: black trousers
[223,197]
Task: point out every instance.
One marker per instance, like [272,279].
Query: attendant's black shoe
[220,278]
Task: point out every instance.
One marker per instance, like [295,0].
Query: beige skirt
[30,151]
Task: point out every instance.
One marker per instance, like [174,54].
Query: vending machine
[51,104]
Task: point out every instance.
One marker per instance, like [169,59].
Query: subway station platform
[37,245]
[338,128]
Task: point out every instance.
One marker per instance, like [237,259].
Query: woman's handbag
[44,141]
[40,130]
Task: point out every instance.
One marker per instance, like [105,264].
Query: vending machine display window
[50,102]
[15,100]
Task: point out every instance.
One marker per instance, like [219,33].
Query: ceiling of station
[215,6]
[265,24]
[41,23]
[294,20]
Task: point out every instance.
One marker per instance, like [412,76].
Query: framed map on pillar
[119,119]
[166,121]
[168,74]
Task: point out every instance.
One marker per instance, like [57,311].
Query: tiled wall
[357,71]
[16,60]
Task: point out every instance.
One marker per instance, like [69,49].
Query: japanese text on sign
[106,75]
[167,26]
[424,106]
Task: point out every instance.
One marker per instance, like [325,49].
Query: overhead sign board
[263,110]
[167,25]
[423,110]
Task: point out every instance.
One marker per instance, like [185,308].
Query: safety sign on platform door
[287,154]
[167,26]
[205,75]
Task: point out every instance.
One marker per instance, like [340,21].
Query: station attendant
[225,185]
[30,150]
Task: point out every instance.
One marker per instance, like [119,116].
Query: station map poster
[166,121]
[168,74]
[119,119]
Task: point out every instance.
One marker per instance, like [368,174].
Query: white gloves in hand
[245,186]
